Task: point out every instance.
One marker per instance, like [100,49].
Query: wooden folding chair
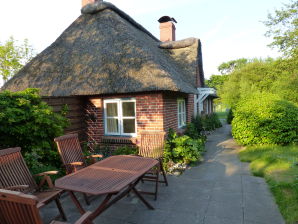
[72,156]
[20,208]
[15,175]
[152,146]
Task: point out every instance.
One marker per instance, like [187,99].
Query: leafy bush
[126,150]
[211,122]
[28,122]
[265,119]
[182,149]
[195,128]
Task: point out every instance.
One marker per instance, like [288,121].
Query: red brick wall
[155,112]
[170,112]
[189,107]
[149,108]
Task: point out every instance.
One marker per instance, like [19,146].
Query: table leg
[102,207]
[106,204]
[76,202]
[142,198]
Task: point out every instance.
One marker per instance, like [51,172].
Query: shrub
[195,128]
[28,122]
[230,116]
[182,149]
[211,122]
[126,150]
[265,119]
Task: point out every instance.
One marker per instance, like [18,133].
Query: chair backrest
[16,207]
[14,171]
[152,144]
[70,150]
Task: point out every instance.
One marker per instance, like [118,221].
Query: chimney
[86,2]
[167,29]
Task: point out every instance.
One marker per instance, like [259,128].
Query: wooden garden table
[115,176]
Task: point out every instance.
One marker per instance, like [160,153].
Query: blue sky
[228,29]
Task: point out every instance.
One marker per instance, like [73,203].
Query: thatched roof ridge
[100,6]
[178,44]
[106,52]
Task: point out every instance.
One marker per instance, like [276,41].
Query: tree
[283,27]
[13,57]
[216,81]
[230,66]
[256,76]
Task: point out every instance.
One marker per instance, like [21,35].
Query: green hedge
[28,122]
[265,119]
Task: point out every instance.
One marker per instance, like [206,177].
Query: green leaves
[283,28]
[183,149]
[28,122]
[265,118]
[13,57]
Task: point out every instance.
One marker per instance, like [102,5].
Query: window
[120,117]
[181,113]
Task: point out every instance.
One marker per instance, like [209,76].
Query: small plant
[182,149]
[126,150]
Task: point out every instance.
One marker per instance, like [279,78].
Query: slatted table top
[110,175]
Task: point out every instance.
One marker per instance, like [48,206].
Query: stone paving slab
[219,190]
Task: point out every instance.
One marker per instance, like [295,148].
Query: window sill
[119,139]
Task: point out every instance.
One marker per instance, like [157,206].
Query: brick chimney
[167,29]
[86,2]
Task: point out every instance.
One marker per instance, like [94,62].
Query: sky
[228,29]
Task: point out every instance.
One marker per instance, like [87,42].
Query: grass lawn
[222,115]
[279,166]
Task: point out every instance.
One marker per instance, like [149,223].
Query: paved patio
[218,191]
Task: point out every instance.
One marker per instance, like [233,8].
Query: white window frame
[181,114]
[120,117]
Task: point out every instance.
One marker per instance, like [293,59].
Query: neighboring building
[116,77]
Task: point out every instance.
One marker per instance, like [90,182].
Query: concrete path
[218,191]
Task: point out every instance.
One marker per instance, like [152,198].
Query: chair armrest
[75,164]
[94,157]
[81,220]
[16,187]
[53,172]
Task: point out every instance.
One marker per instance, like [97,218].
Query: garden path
[220,190]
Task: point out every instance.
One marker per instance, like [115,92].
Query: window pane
[179,106]
[112,125]
[128,109]
[112,110]
[129,126]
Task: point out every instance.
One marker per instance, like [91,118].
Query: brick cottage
[117,78]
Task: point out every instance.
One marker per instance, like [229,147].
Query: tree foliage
[283,28]
[13,57]
[28,122]
[230,66]
[216,81]
[278,76]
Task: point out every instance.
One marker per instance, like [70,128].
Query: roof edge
[178,44]
[101,6]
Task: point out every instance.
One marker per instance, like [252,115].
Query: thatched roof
[105,51]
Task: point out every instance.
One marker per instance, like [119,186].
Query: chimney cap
[165,19]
